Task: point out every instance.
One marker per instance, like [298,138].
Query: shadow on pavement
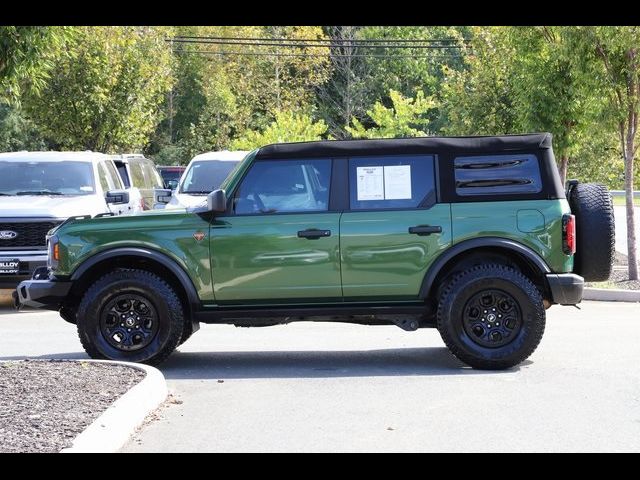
[305,364]
[318,364]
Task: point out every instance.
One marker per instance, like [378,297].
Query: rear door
[394,227]
[279,241]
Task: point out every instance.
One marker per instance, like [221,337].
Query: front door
[394,227]
[279,243]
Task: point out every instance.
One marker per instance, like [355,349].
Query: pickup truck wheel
[68,314]
[595,231]
[130,315]
[491,317]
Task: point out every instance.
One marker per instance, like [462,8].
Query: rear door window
[391,182]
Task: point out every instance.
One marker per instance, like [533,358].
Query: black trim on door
[339,195]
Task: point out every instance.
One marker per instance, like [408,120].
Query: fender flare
[534,258]
[164,260]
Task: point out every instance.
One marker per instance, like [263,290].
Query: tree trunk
[564,165]
[628,186]
[170,115]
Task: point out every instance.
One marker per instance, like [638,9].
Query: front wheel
[491,317]
[130,315]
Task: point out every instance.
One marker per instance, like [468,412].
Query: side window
[113,177]
[122,171]
[137,176]
[102,176]
[497,175]
[391,182]
[154,179]
[279,186]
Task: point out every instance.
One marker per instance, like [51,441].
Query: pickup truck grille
[29,234]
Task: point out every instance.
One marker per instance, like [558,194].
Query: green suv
[475,236]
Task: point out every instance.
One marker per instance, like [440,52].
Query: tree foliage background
[118,89]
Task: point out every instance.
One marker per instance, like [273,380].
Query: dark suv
[473,235]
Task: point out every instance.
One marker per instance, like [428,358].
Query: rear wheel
[491,317]
[130,315]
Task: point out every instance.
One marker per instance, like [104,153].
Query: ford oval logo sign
[8,235]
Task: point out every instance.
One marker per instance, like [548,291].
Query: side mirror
[162,195]
[117,196]
[172,184]
[217,201]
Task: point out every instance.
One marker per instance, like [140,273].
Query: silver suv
[39,190]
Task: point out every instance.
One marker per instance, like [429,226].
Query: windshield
[171,175]
[46,178]
[206,175]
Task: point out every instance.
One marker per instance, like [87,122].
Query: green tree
[613,62]
[218,94]
[18,132]
[288,126]
[27,55]
[108,96]
[407,70]
[479,100]
[404,119]
[551,92]
[524,79]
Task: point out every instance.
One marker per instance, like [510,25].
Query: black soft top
[394,146]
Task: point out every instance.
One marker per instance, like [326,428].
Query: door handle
[423,230]
[313,234]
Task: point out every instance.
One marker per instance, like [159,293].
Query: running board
[407,317]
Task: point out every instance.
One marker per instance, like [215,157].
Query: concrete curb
[611,295]
[111,430]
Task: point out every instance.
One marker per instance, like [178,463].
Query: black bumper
[566,288]
[47,294]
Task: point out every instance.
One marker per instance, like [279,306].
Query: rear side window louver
[497,175]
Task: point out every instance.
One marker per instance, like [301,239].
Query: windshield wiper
[39,192]
[198,191]
[2,194]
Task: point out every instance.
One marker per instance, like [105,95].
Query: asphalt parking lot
[332,387]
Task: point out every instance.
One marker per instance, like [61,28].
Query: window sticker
[397,182]
[370,184]
[384,183]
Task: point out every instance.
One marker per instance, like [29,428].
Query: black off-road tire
[187,331]
[595,231]
[143,284]
[454,304]
[68,314]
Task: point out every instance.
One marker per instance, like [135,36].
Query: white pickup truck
[39,190]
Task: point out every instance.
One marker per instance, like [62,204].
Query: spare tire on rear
[595,231]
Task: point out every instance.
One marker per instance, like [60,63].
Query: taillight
[569,234]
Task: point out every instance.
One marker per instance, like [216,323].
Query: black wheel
[595,231]
[491,317]
[130,315]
